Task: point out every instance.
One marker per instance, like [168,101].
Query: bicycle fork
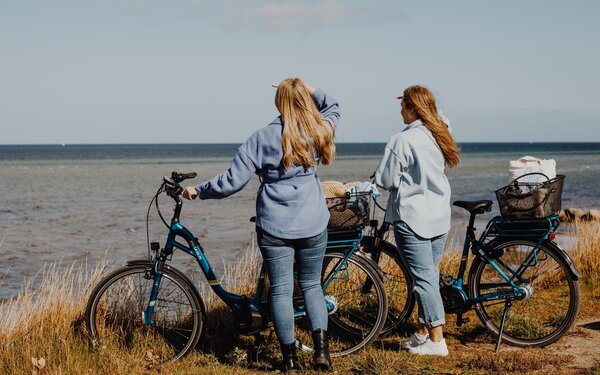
[156,276]
[149,312]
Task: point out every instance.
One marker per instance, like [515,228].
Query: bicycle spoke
[172,301]
[360,312]
[115,314]
[550,298]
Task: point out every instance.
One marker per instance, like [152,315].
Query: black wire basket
[525,200]
[351,210]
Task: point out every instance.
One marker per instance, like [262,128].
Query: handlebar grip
[189,175]
[178,177]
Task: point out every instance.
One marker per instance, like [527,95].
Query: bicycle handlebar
[178,177]
[171,185]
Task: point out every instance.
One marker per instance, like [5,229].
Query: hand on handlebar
[189,193]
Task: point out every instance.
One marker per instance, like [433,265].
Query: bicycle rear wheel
[114,313]
[397,282]
[550,308]
[356,314]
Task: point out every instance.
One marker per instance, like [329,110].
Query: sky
[200,71]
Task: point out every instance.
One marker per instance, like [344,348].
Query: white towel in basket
[530,164]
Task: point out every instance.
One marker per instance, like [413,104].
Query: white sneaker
[430,348]
[415,340]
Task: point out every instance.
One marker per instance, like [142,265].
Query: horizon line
[238,143]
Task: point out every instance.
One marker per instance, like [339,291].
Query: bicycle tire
[540,319]
[397,281]
[359,316]
[113,314]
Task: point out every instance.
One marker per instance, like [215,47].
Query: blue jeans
[422,257]
[279,255]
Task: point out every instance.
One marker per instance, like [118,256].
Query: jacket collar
[413,124]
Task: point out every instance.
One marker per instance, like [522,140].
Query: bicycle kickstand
[507,307]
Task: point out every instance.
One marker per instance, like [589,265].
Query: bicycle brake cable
[155,198]
[377,204]
[160,213]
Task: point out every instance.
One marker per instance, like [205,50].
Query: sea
[89,204]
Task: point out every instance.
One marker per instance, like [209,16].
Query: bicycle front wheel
[358,301]
[397,281]
[114,314]
[552,300]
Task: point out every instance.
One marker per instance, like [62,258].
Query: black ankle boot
[321,356]
[290,358]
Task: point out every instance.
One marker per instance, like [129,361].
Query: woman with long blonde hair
[412,169]
[291,214]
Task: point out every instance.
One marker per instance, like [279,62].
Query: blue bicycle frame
[194,249]
[499,227]
[345,239]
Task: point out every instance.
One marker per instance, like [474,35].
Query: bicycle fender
[136,262]
[185,278]
[552,245]
[565,256]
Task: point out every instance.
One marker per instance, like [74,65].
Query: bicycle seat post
[471,225]
[474,208]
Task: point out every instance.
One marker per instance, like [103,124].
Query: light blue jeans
[279,255]
[422,257]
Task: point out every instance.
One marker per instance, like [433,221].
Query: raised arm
[327,104]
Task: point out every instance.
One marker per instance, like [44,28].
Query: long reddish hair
[420,100]
[305,138]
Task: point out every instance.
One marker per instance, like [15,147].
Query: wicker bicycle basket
[521,199]
[348,211]
[347,208]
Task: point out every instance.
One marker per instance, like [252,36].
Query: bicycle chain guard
[454,299]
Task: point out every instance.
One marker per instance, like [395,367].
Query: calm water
[89,202]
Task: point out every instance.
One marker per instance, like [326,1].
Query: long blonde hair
[421,101]
[305,138]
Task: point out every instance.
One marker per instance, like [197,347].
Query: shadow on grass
[471,334]
[593,326]
[78,328]
[393,340]
[258,352]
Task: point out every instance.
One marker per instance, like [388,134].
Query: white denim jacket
[412,169]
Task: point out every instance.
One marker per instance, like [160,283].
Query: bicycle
[151,306]
[517,268]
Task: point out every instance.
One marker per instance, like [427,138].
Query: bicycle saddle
[477,207]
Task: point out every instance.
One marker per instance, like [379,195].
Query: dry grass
[586,255]
[44,323]
[41,332]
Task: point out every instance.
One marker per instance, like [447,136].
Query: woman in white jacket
[412,169]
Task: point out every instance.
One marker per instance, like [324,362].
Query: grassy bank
[41,332]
